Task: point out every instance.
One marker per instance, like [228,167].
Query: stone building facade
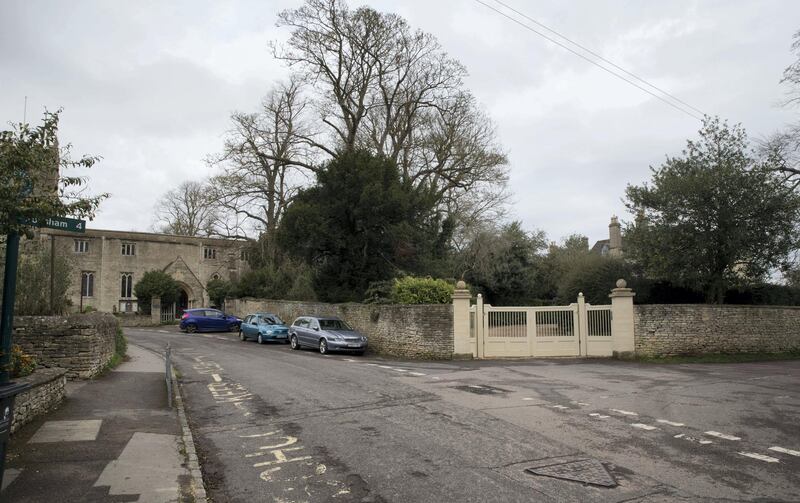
[106,265]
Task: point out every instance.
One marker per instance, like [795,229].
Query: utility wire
[600,57]
[573,51]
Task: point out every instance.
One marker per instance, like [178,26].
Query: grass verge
[120,352]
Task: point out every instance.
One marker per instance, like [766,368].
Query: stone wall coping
[359,304]
[721,306]
[78,317]
[42,375]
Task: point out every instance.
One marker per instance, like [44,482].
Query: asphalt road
[279,425]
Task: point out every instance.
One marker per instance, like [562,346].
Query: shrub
[287,279]
[155,284]
[120,343]
[411,290]
[764,294]
[218,290]
[379,292]
[22,364]
[595,276]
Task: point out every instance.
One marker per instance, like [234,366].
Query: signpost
[9,390]
[61,223]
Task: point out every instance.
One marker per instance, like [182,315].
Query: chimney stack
[614,238]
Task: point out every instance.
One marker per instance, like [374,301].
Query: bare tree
[781,151]
[380,85]
[187,210]
[791,75]
[265,159]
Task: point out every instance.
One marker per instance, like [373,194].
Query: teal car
[263,327]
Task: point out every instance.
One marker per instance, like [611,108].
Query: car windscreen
[271,319]
[333,325]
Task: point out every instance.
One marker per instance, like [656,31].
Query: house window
[126,285]
[128,249]
[87,284]
[243,255]
[210,253]
[81,246]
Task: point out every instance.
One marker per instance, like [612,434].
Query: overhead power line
[599,56]
[677,104]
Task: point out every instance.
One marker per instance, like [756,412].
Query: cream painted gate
[531,331]
[579,329]
[575,330]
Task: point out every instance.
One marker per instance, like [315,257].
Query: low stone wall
[681,329]
[404,331]
[47,391]
[83,344]
[136,320]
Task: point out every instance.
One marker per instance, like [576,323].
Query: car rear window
[333,325]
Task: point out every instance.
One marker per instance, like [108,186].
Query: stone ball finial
[621,283]
[461,285]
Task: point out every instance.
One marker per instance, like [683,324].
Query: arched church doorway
[182,304]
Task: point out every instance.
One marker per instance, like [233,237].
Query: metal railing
[168,373]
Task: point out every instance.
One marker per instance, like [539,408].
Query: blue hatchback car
[263,327]
[208,320]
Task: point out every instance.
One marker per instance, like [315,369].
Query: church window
[81,246]
[87,284]
[210,253]
[126,285]
[128,249]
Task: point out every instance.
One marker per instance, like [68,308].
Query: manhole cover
[588,471]
[481,389]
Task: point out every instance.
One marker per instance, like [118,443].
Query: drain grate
[481,389]
[587,471]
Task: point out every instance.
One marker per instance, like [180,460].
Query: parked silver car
[326,334]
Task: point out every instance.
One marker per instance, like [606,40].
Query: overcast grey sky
[149,85]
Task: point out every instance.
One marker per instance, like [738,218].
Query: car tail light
[185,315]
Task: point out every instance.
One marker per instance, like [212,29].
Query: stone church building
[107,264]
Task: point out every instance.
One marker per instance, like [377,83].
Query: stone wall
[83,344]
[679,329]
[47,391]
[404,331]
[136,320]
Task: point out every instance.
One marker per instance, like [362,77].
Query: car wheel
[260,339]
[241,336]
[323,347]
[191,328]
[293,342]
[234,327]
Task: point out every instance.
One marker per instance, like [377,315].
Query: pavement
[114,439]
[272,424]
